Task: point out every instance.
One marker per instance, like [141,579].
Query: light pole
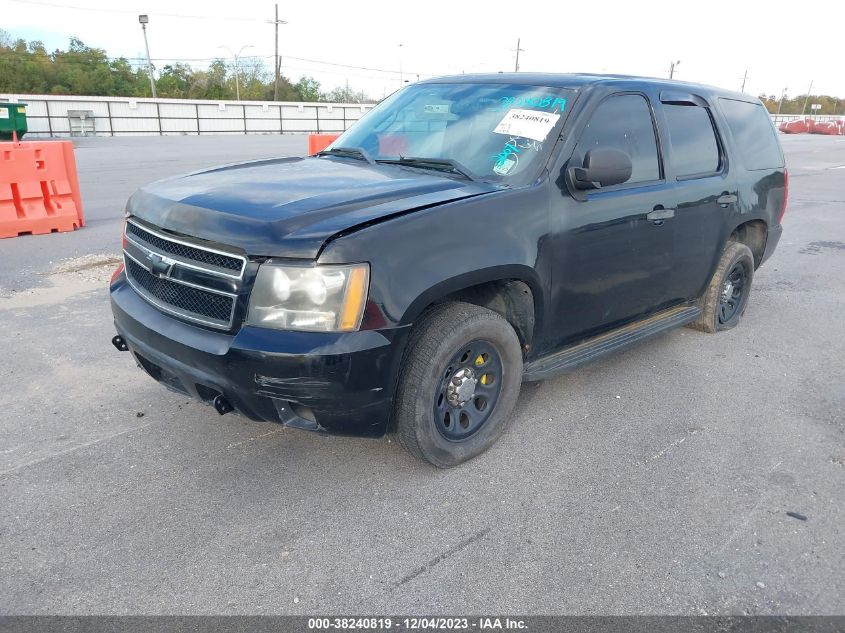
[144,20]
[672,68]
[237,56]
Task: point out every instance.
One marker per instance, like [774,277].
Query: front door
[614,249]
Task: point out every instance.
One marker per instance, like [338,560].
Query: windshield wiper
[440,164]
[348,152]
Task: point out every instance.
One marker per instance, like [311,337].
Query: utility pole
[744,77]
[237,57]
[144,19]
[672,68]
[518,49]
[401,74]
[782,95]
[277,61]
[809,90]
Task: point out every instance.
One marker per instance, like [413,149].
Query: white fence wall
[821,118]
[47,116]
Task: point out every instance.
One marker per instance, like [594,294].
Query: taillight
[785,194]
[116,273]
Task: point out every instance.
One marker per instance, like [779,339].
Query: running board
[608,343]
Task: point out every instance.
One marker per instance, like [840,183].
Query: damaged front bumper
[339,383]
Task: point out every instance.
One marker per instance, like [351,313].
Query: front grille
[185,298]
[200,256]
[187,281]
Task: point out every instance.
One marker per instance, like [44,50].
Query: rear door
[705,190]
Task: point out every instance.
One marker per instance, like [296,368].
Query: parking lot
[656,481]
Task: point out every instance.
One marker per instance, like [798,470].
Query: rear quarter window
[753,133]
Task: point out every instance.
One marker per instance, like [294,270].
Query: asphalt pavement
[654,482]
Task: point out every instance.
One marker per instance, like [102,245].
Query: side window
[624,122]
[694,147]
[754,134]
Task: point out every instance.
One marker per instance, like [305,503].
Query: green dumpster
[12,119]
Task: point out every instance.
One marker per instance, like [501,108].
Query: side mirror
[603,167]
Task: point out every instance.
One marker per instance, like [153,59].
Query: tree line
[796,105]
[28,68]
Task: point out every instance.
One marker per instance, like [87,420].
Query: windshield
[500,132]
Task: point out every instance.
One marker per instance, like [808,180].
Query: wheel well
[510,298]
[754,235]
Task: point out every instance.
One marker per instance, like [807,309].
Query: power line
[129,12]
[205,17]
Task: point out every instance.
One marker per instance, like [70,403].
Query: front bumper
[340,383]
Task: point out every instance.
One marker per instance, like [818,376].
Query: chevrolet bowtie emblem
[159,265]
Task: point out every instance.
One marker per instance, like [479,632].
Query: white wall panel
[117,116]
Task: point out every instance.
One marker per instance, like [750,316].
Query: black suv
[468,234]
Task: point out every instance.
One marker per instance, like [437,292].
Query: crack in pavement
[71,449]
[441,557]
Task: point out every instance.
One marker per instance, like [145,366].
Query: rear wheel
[726,298]
[460,381]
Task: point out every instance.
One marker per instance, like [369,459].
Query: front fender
[474,278]
[419,258]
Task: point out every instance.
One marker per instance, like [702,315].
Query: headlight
[313,298]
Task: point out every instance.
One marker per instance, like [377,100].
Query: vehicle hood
[289,207]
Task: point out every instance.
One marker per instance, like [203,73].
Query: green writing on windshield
[549,102]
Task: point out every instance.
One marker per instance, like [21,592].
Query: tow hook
[119,343]
[222,405]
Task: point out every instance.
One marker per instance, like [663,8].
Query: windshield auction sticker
[531,124]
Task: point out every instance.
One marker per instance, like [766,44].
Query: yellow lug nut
[479,361]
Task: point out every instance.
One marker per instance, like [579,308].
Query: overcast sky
[715,41]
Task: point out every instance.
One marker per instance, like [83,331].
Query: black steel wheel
[734,289]
[460,378]
[724,302]
[469,390]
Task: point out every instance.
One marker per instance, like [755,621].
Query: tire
[737,262]
[445,422]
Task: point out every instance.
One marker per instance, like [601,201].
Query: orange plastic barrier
[797,126]
[39,188]
[319,142]
[831,128]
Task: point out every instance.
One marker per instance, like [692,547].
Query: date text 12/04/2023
[484,623]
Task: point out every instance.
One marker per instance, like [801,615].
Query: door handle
[726,198]
[659,214]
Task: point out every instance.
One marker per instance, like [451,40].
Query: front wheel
[726,298]
[459,383]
